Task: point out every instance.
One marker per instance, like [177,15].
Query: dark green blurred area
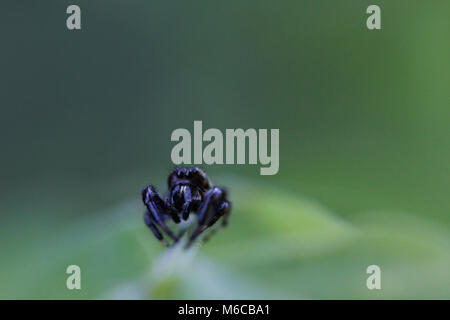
[86,116]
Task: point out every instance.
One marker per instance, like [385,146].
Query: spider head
[193,176]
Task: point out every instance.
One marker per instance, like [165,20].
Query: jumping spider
[189,191]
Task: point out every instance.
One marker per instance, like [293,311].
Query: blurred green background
[86,118]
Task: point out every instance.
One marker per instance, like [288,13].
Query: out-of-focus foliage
[277,245]
[86,118]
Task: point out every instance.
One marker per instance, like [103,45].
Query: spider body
[190,191]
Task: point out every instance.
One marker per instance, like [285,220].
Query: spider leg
[172,212]
[153,228]
[186,207]
[156,208]
[212,196]
[190,205]
[224,223]
[215,201]
[210,222]
[159,221]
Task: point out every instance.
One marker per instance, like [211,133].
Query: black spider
[189,191]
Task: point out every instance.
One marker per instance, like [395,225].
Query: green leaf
[277,245]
